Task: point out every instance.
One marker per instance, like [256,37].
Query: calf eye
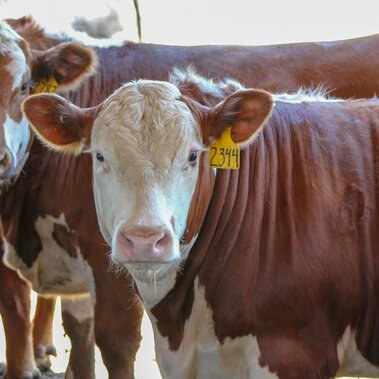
[193,157]
[24,87]
[100,157]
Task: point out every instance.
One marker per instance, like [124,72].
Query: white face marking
[351,360]
[17,138]
[81,308]
[144,185]
[201,355]
[18,67]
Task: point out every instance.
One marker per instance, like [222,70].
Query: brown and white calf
[269,271]
[20,68]
[41,215]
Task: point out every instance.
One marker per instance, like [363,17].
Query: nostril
[127,239]
[162,240]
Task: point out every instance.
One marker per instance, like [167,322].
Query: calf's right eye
[100,157]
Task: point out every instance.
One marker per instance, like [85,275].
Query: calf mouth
[146,272]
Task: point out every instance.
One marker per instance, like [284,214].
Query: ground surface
[45,375]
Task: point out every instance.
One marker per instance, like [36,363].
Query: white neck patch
[154,290]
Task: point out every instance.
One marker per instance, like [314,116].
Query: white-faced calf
[248,273]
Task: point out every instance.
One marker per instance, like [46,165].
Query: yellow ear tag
[49,86]
[224,153]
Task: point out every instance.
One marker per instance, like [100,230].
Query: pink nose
[6,163]
[152,247]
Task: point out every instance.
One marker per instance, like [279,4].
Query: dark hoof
[35,374]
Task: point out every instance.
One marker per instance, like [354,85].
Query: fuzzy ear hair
[69,63]
[59,124]
[245,111]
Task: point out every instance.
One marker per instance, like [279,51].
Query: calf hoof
[35,374]
[42,356]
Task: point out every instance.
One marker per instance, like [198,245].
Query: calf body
[20,64]
[132,61]
[267,271]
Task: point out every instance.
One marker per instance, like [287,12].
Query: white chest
[201,355]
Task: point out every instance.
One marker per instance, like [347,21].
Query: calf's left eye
[193,157]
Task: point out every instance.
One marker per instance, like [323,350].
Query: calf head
[20,66]
[146,141]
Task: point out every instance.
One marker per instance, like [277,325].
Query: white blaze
[18,67]
[17,138]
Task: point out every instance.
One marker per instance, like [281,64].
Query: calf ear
[69,63]
[245,111]
[61,125]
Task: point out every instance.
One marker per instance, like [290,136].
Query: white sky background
[219,21]
[195,22]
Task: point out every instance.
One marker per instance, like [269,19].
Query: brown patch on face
[10,100]
[24,46]
[66,239]
[14,107]
[6,80]
[5,90]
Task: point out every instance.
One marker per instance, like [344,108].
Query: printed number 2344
[224,157]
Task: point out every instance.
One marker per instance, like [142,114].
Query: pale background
[203,22]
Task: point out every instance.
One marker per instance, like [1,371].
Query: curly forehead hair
[144,103]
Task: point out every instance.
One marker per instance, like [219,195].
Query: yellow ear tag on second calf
[46,86]
[225,153]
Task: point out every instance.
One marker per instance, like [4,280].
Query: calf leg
[118,315]
[78,323]
[43,332]
[15,311]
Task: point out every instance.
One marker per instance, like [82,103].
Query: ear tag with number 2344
[225,153]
